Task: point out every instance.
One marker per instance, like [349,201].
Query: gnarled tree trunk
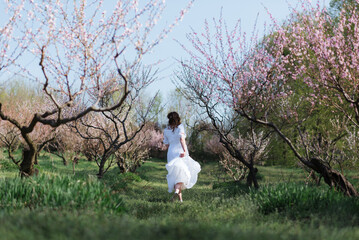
[334,178]
[331,177]
[29,156]
[28,161]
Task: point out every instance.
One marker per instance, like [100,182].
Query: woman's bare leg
[178,190]
[180,196]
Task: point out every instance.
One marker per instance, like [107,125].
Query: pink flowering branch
[78,45]
[332,68]
[259,84]
[11,50]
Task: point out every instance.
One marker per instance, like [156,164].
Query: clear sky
[232,10]
[246,10]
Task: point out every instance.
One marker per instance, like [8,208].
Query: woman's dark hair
[173,120]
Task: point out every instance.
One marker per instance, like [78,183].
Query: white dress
[179,169]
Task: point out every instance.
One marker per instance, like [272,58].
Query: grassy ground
[60,205]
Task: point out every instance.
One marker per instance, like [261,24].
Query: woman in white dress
[182,169]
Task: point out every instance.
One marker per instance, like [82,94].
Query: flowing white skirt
[183,170]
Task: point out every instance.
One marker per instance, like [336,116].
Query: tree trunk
[334,178]
[28,157]
[331,177]
[101,169]
[28,161]
[122,165]
[64,161]
[252,177]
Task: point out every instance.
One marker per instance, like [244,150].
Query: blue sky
[169,50]
[246,10]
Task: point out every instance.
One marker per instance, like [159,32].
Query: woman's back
[173,137]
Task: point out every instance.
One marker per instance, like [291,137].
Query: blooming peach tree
[77,44]
[328,51]
[256,78]
[20,101]
[112,136]
[11,14]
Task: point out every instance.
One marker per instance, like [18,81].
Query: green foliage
[156,108]
[279,153]
[175,101]
[299,200]
[57,192]
[20,90]
[5,162]
[7,165]
[197,140]
[337,5]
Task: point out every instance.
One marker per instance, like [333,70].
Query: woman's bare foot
[176,195]
[178,192]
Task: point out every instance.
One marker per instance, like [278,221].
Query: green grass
[57,193]
[302,201]
[60,205]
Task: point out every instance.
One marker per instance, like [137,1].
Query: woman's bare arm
[184,146]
